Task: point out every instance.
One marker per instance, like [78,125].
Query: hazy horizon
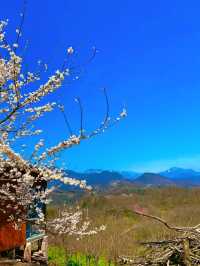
[141,169]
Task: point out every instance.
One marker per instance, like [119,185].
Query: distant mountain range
[102,179]
[180,173]
[174,176]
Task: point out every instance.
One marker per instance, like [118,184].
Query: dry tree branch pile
[182,250]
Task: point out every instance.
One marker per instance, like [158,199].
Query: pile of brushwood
[184,250]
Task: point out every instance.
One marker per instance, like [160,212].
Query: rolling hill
[153,180]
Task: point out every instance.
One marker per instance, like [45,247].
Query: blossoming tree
[23,182]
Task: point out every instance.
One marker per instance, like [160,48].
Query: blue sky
[148,59]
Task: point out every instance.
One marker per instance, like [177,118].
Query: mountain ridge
[99,179]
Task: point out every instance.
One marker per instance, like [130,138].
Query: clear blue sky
[149,59]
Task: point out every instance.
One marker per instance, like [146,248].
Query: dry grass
[125,229]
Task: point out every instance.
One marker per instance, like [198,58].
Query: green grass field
[57,256]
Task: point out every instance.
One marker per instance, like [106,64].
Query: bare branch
[78,100]
[171,227]
[19,30]
[61,108]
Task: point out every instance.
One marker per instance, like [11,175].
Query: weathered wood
[27,252]
[44,247]
[4,262]
[186,252]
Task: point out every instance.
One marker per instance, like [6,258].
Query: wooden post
[44,247]
[13,254]
[27,252]
[186,249]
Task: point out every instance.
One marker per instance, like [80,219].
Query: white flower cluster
[50,86]
[21,184]
[3,24]
[73,223]
[73,140]
[75,182]
[40,109]
[15,102]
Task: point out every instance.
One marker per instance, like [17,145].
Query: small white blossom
[123,113]
[70,50]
